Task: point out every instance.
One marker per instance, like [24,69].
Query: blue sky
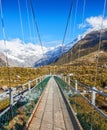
[51,16]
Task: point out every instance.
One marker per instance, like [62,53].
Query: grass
[4,104]
[24,112]
[82,72]
[86,114]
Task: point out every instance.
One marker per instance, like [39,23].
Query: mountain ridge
[87,45]
[31,55]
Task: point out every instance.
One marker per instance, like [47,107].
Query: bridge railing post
[11,101]
[76,85]
[29,86]
[36,81]
[40,78]
[65,78]
[93,96]
[69,80]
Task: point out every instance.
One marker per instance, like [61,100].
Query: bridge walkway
[51,112]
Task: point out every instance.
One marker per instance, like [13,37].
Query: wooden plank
[51,113]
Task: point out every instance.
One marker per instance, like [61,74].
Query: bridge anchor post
[69,81]
[76,85]
[65,78]
[93,95]
[29,86]
[11,101]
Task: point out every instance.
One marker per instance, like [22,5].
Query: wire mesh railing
[89,104]
[20,106]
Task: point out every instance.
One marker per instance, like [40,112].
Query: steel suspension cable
[100,41]
[4,39]
[21,24]
[77,67]
[74,26]
[36,25]
[38,33]
[75,17]
[84,6]
[29,28]
[82,23]
[28,19]
[68,20]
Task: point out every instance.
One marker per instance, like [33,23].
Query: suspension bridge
[52,102]
[47,105]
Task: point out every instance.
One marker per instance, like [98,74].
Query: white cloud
[97,22]
[94,23]
[17,50]
[82,25]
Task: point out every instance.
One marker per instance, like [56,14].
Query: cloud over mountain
[94,23]
[20,54]
[97,22]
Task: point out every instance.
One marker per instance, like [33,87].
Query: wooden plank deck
[51,113]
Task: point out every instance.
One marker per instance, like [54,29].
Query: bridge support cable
[83,14]
[68,20]
[28,19]
[38,33]
[36,25]
[66,27]
[21,23]
[73,31]
[75,17]
[100,41]
[5,44]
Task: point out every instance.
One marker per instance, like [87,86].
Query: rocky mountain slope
[29,54]
[87,48]
[2,60]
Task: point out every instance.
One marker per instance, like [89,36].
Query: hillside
[2,63]
[87,49]
[2,59]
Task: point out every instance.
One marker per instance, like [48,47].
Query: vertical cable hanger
[29,28]
[37,29]
[82,23]
[36,25]
[75,16]
[100,41]
[74,26]
[21,24]
[77,2]
[66,28]
[84,6]
[28,19]
[33,31]
[4,40]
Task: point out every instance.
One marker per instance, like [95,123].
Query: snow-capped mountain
[87,49]
[90,35]
[20,54]
[53,54]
